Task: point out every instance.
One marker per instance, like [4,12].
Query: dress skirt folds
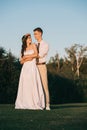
[30,93]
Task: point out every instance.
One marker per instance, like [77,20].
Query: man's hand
[24,57]
[27,58]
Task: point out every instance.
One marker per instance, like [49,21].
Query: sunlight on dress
[30,92]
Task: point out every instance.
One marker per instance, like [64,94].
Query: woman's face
[29,40]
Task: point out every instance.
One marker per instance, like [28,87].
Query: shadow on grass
[68,106]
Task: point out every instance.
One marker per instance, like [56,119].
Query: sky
[64,22]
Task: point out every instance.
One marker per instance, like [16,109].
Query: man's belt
[41,63]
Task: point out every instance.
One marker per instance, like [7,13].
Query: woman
[30,92]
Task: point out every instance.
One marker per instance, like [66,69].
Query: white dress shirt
[43,51]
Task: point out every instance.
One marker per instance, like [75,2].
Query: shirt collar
[40,42]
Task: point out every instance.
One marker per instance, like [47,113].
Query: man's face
[37,35]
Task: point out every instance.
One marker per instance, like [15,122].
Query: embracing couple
[33,90]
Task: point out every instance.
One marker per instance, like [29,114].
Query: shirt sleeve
[44,50]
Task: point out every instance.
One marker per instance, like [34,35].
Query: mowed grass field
[61,117]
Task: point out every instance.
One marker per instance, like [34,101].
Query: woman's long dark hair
[24,44]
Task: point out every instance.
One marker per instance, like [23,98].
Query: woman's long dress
[30,92]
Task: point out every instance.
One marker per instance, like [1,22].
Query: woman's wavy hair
[24,44]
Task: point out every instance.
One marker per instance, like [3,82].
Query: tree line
[67,77]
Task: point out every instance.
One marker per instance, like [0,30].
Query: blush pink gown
[30,92]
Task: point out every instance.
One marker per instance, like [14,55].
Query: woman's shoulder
[33,44]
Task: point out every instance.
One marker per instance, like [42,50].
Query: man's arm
[44,51]
[22,61]
[31,56]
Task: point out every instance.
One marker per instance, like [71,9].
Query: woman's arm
[34,55]
[22,61]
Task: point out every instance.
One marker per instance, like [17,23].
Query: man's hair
[38,29]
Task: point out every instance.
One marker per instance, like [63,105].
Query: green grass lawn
[61,117]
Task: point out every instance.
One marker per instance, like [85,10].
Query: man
[42,48]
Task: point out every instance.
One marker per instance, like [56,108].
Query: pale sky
[64,23]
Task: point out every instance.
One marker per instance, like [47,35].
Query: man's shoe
[48,108]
